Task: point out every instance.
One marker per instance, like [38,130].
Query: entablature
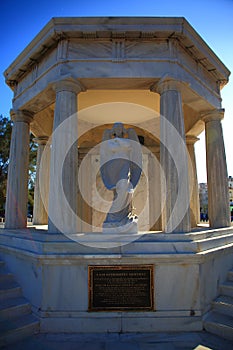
[116,29]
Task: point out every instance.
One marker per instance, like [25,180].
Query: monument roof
[108,28]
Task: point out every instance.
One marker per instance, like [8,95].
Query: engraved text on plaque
[121,287]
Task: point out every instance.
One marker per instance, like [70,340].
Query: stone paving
[149,341]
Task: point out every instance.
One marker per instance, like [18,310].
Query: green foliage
[5,138]
[32,173]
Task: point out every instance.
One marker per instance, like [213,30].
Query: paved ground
[156,341]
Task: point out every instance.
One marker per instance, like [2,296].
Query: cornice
[109,28]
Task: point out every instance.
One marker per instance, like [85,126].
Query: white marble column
[193,182]
[218,196]
[63,191]
[173,158]
[17,183]
[40,214]
[154,179]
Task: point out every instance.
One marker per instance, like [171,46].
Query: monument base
[130,227]
[185,272]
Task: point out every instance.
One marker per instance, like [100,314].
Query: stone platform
[131,341]
[53,272]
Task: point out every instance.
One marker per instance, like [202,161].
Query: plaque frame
[133,268]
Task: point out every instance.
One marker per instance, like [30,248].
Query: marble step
[214,242]
[18,329]
[150,242]
[227,288]
[230,275]
[219,324]
[187,247]
[5,275]
[224,305]
[9,289]
[13,308]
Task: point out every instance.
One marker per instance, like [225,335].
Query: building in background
[230,186]
[203,197]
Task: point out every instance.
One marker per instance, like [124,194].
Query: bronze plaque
[121,288]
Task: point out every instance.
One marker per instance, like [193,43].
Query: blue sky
[21,20]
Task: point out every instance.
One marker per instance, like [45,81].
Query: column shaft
[218,195]
[17,183]
[64,160]
[193,182]
[40,209]
[173,157]
[154,178]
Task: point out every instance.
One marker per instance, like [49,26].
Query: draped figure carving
[121,164]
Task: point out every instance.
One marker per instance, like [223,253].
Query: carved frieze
[117,49]
[89,50]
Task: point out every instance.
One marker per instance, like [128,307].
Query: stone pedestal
[173,158]
[218,195]
[17,185]
[40,214]
[53,273]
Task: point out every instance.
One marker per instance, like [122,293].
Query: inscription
[121,288]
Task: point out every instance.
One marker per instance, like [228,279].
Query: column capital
[21,116]
[215,114]
[191,139]
[166,83]
[68,83]
[154,149]
[41,140]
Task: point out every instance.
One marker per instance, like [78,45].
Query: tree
[32,173]
[5,138]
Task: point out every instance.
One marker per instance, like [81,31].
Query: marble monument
[164,83]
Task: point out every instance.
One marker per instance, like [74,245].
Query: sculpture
[121,164]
